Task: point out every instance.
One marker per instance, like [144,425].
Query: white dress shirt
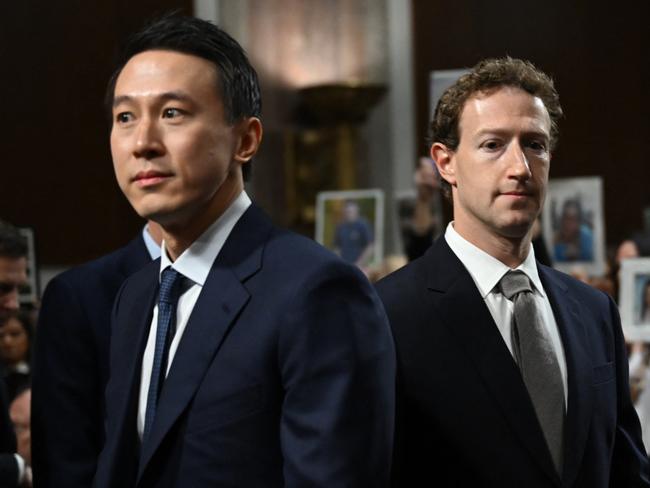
[194,264]
[152,247]
[487,271]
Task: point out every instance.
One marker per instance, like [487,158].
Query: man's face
[351,211]
[173,150]
[499,171]
[13,275]
[570,225]
[14,341]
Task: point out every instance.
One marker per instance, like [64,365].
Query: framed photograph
[439,81]
[351,223]
[573,225]
[635,299]
[30,293]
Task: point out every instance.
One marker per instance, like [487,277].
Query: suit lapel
[128,342]
[579,372]
[457,302]
[222,298]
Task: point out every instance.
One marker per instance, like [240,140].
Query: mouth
[145,179]
[517,194]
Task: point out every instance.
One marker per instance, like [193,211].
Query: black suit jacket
[284,375]
[8,463]
[71,367]
[464,415]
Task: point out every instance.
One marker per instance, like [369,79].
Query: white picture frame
[343,232]
[439,81]
[634,299]
[573,225]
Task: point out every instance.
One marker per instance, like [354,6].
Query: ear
[445,162]
[250,136]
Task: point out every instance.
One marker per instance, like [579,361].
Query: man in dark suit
[13,275]
[70,368]
[9,464]
[501,387]
[247,356]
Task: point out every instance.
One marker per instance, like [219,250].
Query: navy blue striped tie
[168,297]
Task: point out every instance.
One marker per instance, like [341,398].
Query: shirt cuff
[21,468]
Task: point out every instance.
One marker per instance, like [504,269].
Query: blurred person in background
[574,239]
[424,226]
[13,275]
[71,362]
[16,334]
[353,238]
[19,412]
[13,267]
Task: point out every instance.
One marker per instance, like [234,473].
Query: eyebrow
[501,132]
[163,97]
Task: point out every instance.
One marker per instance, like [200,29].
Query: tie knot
[169,285]
[513,283]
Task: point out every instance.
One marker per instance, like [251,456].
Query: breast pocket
[604,373]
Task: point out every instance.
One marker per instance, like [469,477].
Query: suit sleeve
[8,471]
[629,460]
[67,414]
[337,362]
[8,463]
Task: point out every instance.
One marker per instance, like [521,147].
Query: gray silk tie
[537,361]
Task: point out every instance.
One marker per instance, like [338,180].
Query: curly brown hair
[487,76]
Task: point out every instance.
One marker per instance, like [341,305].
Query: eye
[536,145]
[491,145]
[171,113]
[124,117]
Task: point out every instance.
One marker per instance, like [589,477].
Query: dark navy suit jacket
[464,417]
[8,463]
[284,375]
[71,367]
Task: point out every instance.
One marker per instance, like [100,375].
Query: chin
[158,215]
[517,230]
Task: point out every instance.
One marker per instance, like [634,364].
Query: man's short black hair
[237,83]
[12,243]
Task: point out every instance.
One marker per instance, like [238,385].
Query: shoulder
[297,256]
[404,287]
[400,282]
[565,282]
[592,301]
[116,265]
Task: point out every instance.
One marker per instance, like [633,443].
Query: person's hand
[637,347]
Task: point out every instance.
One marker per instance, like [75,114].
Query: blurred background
[346,102]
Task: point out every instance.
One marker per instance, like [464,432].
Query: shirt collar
[486,270]
[196,261]
[152,247]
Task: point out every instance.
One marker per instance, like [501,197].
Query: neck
[511,251]
[155,231]
[179,235]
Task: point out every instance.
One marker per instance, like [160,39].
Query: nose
[518,162]
[148,143]
[10,301]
